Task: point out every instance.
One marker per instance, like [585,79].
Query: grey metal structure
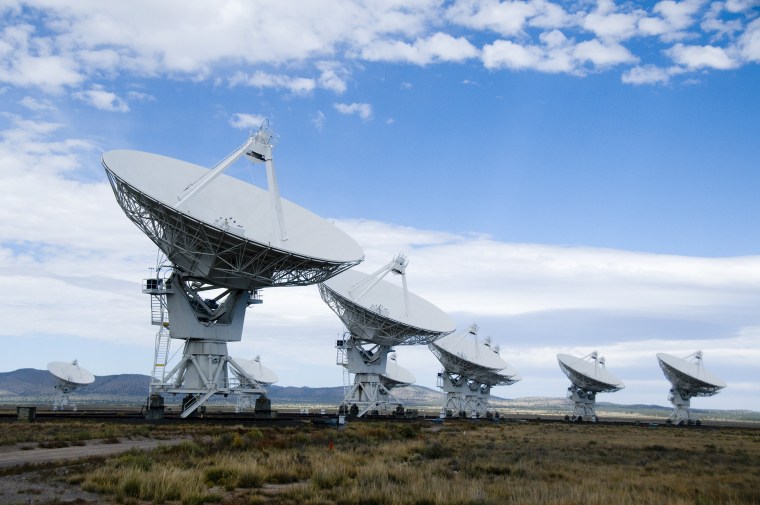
[688,379]
[224,241]
[588,376]
[378,315]
[470,369]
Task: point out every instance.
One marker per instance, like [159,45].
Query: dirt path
[92,448]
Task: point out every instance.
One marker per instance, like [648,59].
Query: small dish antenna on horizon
[688,378]
[588,376]
[70,376]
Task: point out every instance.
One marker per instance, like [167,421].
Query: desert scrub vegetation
[421,463]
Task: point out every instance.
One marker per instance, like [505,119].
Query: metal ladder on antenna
[159,316]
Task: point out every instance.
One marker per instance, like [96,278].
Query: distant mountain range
[31,386]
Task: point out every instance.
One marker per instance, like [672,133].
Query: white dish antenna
[395,375]
[261,374]
[689,374]
[471,367]
[464,354]
[377,311]
[223,230]
[688,378]
[69,376]
[589,373]
[588,376]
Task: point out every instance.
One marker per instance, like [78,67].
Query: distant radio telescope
[470,369]
[688,379]
[224,240]
[378,315]
[259,373]
[69,376]
[589,376]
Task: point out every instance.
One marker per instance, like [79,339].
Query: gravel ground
[31,480]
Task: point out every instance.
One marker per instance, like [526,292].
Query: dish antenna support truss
[688,379]
[588,376]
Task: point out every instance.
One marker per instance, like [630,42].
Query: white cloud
[26,60]
[557,54]
[649,74]
[37,105]
[508,18]
[243,121]
[437,48]
[603,54]
[318,120]
[260,79]
[363,110]
[695,57]
[749,43]
[673,18]
[606,23]
[102,99]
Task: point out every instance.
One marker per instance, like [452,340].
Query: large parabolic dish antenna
[69,376]
[224,239]
[381,312]
[378,315]
[471,367]
[588,376]
[688,378]
[228,232]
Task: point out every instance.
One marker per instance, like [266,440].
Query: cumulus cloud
[246,45]
[436,48]
[671,19]
[363,110]
[37,105]
[649,74]
[27,60]
[243,121]
[102,99]
[695,57]
[260,79]
[557,54]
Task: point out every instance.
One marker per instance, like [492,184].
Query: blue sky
[572,176]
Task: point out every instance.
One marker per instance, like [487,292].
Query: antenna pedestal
[585,402]
[681,400]
[206,325]
[464,398]
[63,400]
[367,362]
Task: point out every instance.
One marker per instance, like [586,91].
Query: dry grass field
[389,463]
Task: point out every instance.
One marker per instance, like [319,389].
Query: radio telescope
[589,376]
[395,375]
[688,378]
[253,372]
[378,315]
[470,369]
[70,376]
[224,240]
